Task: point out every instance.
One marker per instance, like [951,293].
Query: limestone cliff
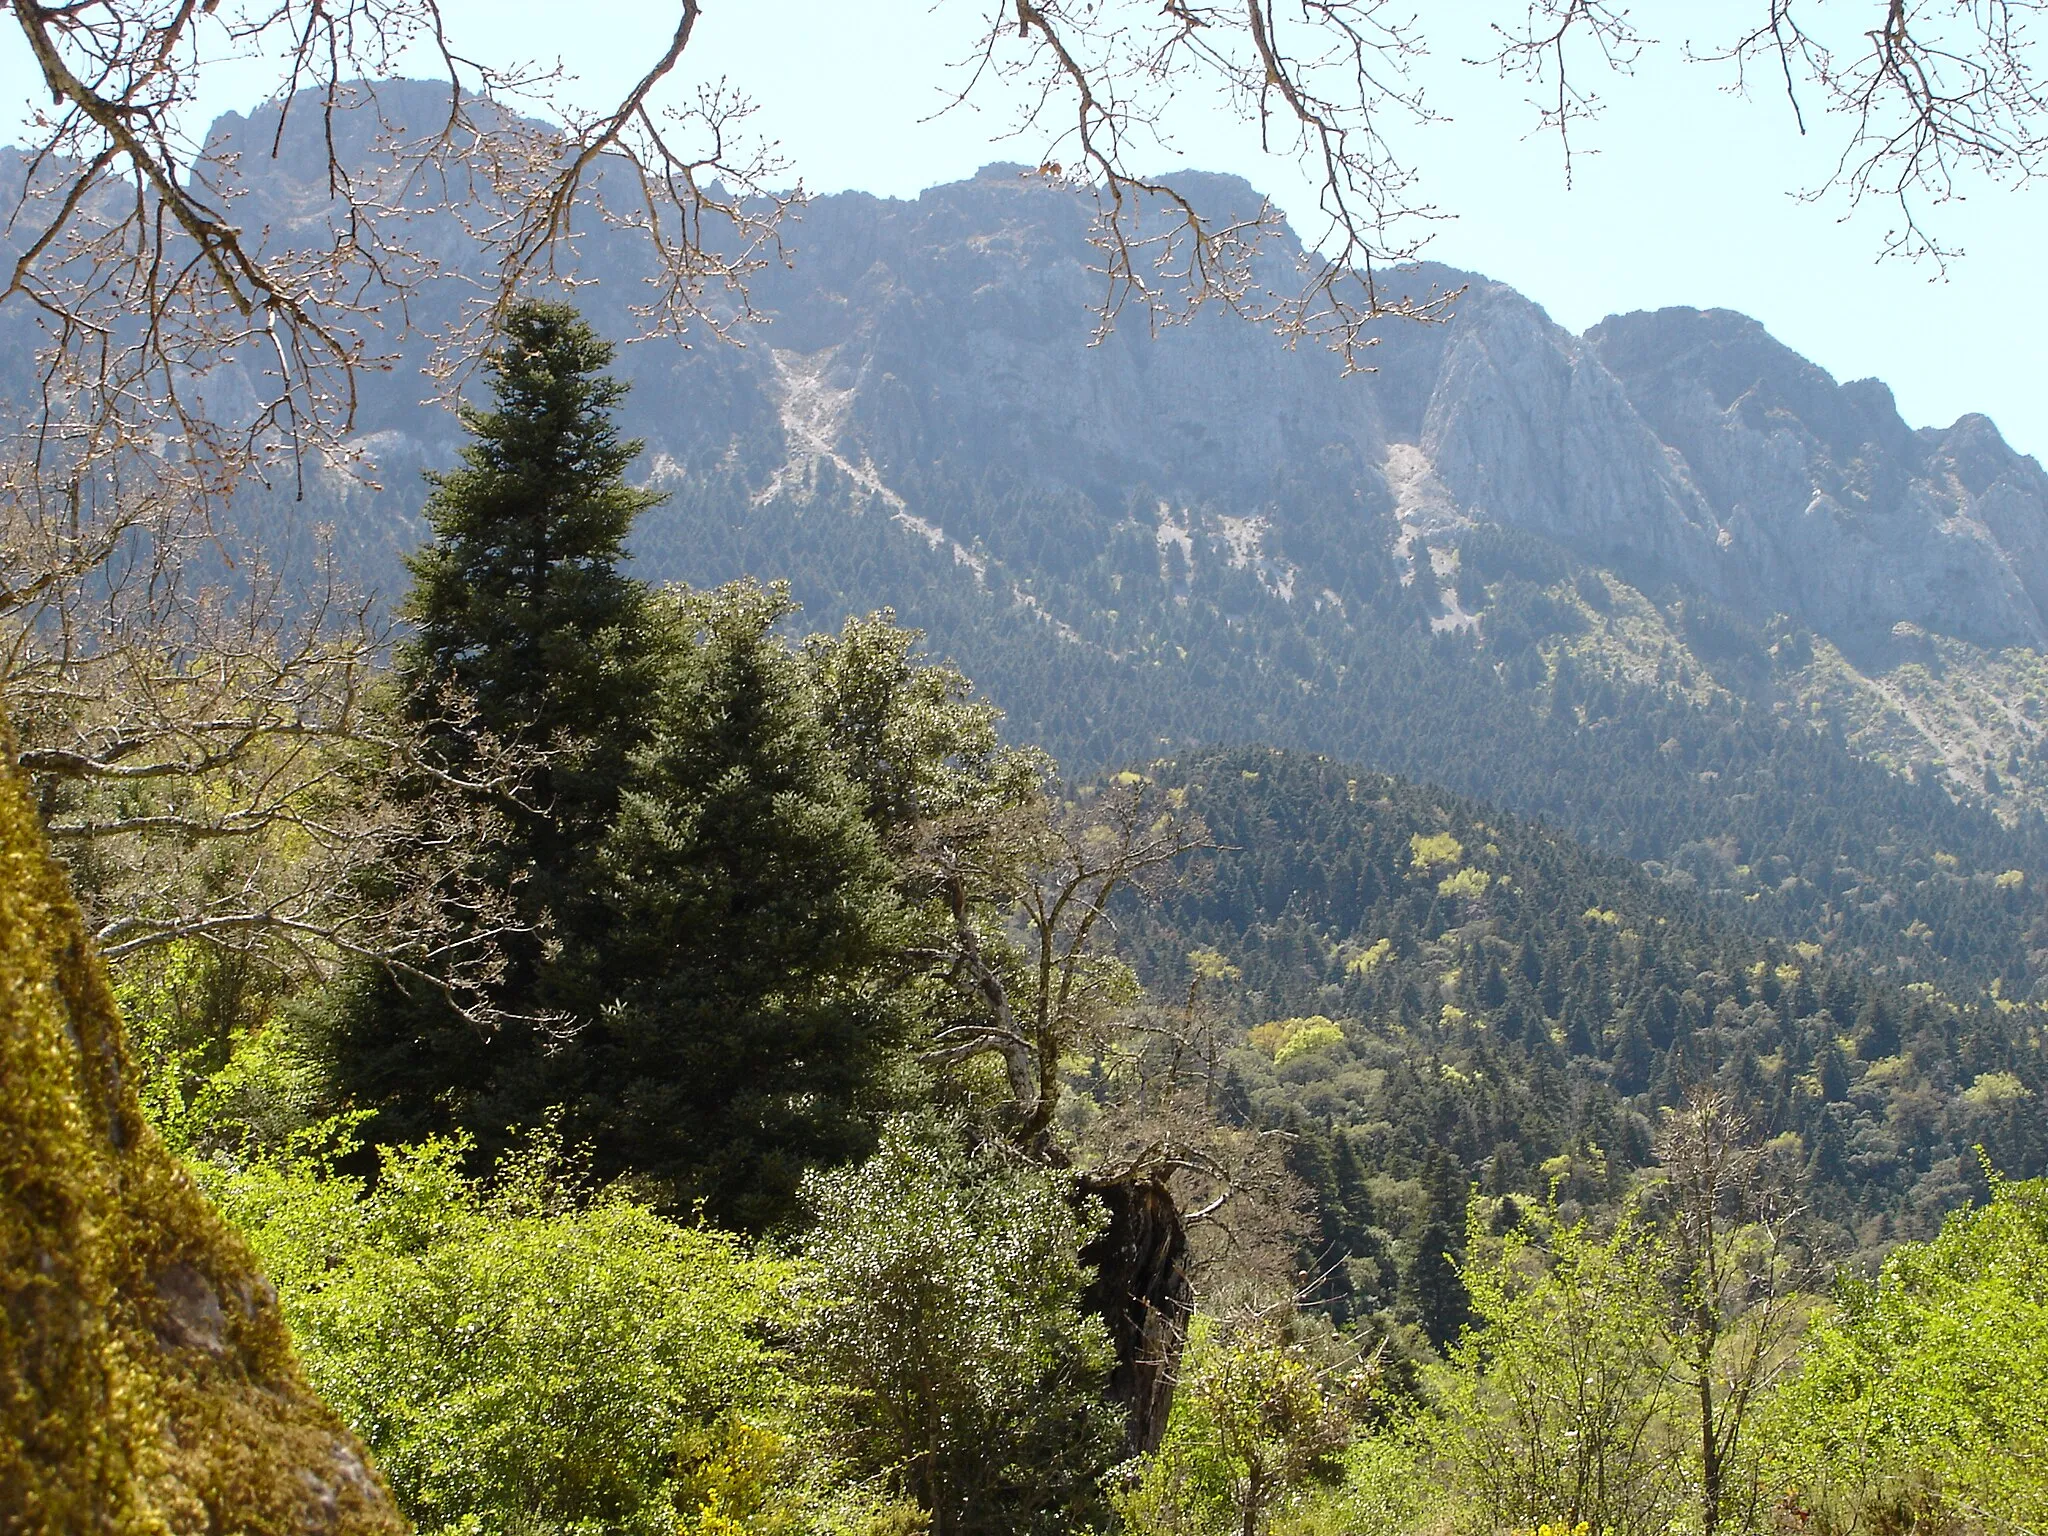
[1829,507]
[147,1383]
[918,349]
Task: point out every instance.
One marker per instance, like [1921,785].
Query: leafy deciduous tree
[950,1320]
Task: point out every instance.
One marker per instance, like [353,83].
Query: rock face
[953,335]
[146,1380]
[1829,506]
[1683,448]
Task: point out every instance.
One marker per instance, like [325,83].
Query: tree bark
[1144,1295]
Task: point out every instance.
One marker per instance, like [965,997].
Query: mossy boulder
[147,1383]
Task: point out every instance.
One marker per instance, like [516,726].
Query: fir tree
[526,635]
[1434,1288]
[747,992]
[519,606]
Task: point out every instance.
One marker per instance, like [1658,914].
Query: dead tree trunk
[1144,1296]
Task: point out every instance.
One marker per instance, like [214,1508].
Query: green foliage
[147,1383]
[911,733]
[1258,1424]
[1285,1039]
[222,1062]
[1431,1285]
[1313,1036]
[1774,820]
[1924,1397]
[1536,1030]
[949,1325]
[746,991]
[519,603]
[1389,1488]
[529,640]
[522,1354]
[1555,1403]
[709,927]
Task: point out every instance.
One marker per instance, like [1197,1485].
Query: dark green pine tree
[527,636]
[748,994]
[1370,1265]
[519,604]
[1432,1284]
[1320,1254]
[711,990]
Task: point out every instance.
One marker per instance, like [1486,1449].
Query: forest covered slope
[1426,978]
[1667,586]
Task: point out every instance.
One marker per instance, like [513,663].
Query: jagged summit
[1683,447]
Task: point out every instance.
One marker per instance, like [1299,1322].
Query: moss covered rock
[147,1383]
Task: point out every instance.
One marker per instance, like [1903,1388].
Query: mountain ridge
[1487,564]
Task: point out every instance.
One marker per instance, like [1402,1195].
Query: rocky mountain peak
[958,332]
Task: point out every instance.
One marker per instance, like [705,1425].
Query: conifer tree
[747,996]
[519,604]
[1434,1287]
[529,635]
[707,987]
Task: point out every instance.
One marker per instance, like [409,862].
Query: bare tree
[1931,95]
[211,760]
[127,241]
[1739,1304]
[1024,892]
[1922,97]
[1152,1089]
[1027,898]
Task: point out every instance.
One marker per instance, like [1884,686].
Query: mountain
[1681,447]
[1666,585]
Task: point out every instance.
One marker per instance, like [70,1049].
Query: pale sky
[1689,198]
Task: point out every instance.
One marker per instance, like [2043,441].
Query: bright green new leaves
[1927,1393]
[1556,1405]
[517,1361]
[951,1325]
[1256,1425]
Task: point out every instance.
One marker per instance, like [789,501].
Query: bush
[1924,1398]
[950,1326]
[1555,1402]
[522,1355]
[1256,1425]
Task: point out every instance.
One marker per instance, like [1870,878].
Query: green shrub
[950,1328]
[522,1355]
[1924,1397]
[1256,1426]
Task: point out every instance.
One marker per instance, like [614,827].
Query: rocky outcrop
[1525,427]
[1685,448]
[1830,507]
[146,1380]
[920,349]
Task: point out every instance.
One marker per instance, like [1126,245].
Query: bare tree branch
[213,762]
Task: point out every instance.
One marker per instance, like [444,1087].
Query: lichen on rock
[147,1382]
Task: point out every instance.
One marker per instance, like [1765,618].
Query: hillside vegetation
[1429,990]
[733,1085]
[1795,623]
[1577,702]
